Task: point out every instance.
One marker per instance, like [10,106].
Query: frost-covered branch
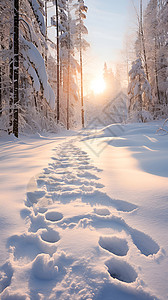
[35,66]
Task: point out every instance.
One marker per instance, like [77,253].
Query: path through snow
[77,245]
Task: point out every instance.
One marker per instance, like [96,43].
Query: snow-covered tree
[38,86]
[38,93]
[162,56]
[139,92]
[80,43]
[155,43]
[36,97]
[152,46]
[6,65]
[109,79]
[69,66]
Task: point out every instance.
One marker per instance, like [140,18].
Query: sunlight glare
[98,85]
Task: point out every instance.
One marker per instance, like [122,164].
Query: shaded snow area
[85,216]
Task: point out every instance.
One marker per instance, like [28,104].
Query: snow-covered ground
[85,215]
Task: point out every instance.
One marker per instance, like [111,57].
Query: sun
[98,85]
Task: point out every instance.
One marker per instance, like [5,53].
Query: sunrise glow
[98,85]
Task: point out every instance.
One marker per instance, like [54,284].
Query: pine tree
[80,43]
[162,54]
[139,92]
[152,46]
[156,26]
[6,63]
[109,79]
[16,68]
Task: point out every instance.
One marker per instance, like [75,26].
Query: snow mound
[9,295]
[44,268]
[6,273]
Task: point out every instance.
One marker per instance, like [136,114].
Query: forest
[42,76]
[38,77]
[83,149]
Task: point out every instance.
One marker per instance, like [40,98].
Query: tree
[6,62]
[68,63]
[35,109]
[80,43]
[151,36]
[162,52]
[139,92]
[156,27]
[16,67]
[109,79]
[58,60]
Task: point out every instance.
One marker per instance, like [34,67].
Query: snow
[39,75]
[84,215]
[44,268]
[39,16]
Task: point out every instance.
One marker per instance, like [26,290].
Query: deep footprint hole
[50,236]
[144,243]
[53,216]
[114,245]
[102,211]
[121,270]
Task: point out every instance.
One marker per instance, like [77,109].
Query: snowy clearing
[85,216]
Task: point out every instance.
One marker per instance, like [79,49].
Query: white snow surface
[84,215]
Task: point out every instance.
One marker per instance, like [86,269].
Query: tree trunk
[1,79]
[143,41]
[16,66]
[46,19]
[11,90]
[156,73]
[140,100]
[58,62]
[81,73]
[68,79]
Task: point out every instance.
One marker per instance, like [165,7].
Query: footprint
[124,206]
[6,273]
[143,242]
[121,270]
[25,212]
[42,210]
[24,246]
[87,175]
[33,197]
[29,245]
[114,245]
[53,216]
[102,211]
[120,205]
[50,236]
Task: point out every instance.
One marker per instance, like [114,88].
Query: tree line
[41,78]
[148,77]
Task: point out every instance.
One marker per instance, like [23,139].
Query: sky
[108,22]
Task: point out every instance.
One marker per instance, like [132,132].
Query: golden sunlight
[98,85]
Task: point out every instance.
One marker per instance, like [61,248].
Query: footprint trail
[71,224]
